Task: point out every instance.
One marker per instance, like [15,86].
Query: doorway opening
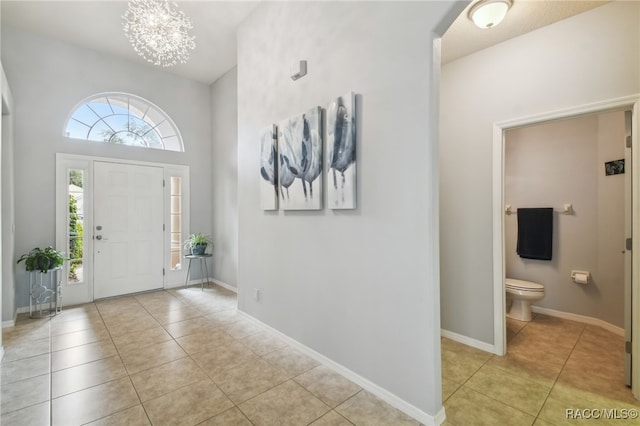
[504,263]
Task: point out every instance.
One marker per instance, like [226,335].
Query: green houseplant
[197,243]
[42,260]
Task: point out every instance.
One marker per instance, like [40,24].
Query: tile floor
[178,357]
[551,365]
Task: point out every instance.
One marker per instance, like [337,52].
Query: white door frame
[73,161]
[499,303]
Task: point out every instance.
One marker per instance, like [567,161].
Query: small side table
[203,267]
[44,289]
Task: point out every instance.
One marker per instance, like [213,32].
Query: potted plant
[42,260]
[197,243]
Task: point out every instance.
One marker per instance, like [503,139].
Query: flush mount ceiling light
[158,31]
[489,13]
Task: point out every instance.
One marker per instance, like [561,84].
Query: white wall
[7,294]
[358,286]
[48,78]
[224,168]
[549,165]
[587,58]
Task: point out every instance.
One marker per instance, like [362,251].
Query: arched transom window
[123,119]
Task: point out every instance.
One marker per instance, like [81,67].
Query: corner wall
[591,57]
[358,286]
[224,170]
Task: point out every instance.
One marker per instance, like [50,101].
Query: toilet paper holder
[581,277]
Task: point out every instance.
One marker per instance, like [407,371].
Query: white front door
[127,229]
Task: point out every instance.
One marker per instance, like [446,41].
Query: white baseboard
[198,281]
[12,323]
[483,346]
[224,285]
[385,395]
[7,324]
[579,318]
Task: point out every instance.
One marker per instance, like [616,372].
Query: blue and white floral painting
[268,169]
[300,161]
[341,153]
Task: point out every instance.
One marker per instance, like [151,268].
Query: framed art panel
[300,161]
[268,169]
[341,152]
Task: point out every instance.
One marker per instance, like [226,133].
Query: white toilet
[520,295]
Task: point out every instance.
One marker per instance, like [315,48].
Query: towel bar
[566,209]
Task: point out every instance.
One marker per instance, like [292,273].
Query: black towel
[535,233]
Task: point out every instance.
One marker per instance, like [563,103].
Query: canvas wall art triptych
[292,159]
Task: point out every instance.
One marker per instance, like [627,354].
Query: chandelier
[158,31]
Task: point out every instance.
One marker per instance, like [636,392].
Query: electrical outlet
[256,294]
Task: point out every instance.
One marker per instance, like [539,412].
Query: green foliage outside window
[76,233]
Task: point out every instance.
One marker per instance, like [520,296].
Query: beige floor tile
[563,398]
[88,323]
[459,361]
[291,361]
[563,340]
[242,328]
[25,349]
[540,422]
[223,358]
[175,315]
[131,324]
[607,378]
[331,419]
[84,376]
[224,317]
[77,355]
[365,408]
[188,405]
[209,340]
[533,364]
[514,327]
[187,327]
[139,339]
[152,356]
[231,417]
[519,390]
[118,305]
[247,380]
[264,342]
[285,404]
[35,330]
[70,313]
[448,388]
[166,378]
[94,403]
[36,415]
[470,408]
[134,416]
[24,393]
[332,388]
[24,369]
[79,338]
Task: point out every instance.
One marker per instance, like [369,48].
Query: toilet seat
[522,285]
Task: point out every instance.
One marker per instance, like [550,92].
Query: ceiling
[97,25]
[463,37]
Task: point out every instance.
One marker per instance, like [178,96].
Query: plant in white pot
[198,243]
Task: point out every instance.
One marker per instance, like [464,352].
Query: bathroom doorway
[609,262]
